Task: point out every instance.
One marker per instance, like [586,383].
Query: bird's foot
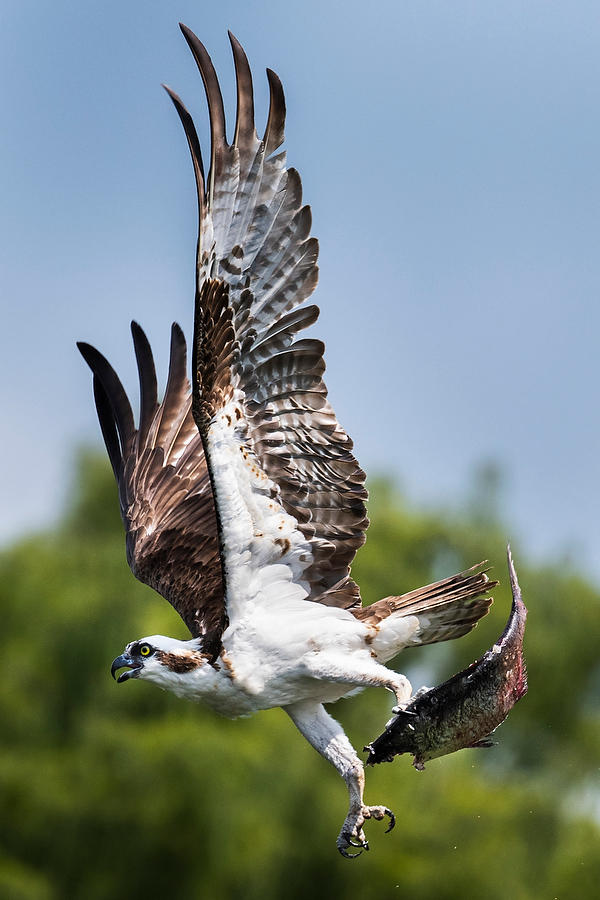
[352,834]
[401,707]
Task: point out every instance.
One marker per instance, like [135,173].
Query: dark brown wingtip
[177,360]
[112,406]
[147,380]
[97,362]
[114,390]
[108,427]
[177,333]
[186,31]
[84,348]
[193,144]
[213,91]
[137,331]
[275,131]
[245,131]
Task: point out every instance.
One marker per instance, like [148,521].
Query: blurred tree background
[109,792]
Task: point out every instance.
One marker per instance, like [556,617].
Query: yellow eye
[145,650]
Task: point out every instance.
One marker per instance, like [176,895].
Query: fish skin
[464,710]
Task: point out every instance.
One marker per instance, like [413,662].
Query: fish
[466,709]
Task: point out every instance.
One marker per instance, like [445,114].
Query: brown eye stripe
[179,663]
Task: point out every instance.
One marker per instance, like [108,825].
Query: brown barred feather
[257,264]
[214,348]
[447,609]
[164,488]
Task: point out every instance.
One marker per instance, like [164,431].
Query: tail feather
[446,609]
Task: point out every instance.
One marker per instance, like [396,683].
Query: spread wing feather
[164,488]
[260,399]
[243,491]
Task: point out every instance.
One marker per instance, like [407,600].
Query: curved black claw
[389,813]
[347,838]
[352,834]
[363,845]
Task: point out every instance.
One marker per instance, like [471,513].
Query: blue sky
[450,154]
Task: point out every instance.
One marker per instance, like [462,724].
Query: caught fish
[466,709]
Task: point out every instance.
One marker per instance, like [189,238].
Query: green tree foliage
[113,792]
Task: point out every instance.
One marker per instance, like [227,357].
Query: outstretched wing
[164,488]
[289,494]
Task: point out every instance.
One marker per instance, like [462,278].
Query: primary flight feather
[242,501]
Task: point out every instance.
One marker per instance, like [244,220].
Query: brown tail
[449,608]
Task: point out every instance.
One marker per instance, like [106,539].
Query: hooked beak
[124,662]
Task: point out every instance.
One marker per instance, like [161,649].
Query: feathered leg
[365,672]
[328,737]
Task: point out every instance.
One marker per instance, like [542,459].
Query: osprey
[242,502]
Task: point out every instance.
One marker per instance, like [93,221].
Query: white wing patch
[265,552]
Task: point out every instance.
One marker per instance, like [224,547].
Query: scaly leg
[327,736]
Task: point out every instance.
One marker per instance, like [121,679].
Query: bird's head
[159,659]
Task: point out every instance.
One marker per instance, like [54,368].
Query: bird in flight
[242,501]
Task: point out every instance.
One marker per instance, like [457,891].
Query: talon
[347,838]
[389,813]
[352,834]
[357,843]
